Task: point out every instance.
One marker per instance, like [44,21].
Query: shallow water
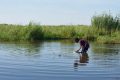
[55,60]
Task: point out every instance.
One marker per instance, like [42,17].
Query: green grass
[42,32]
[64,31]
[33,32]
[113,38]
[104,29]
[19,32]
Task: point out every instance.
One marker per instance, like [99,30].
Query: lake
[55,60]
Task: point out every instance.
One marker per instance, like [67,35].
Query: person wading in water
[84,45]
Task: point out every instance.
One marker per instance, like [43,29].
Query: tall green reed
[107,22]
[108,28]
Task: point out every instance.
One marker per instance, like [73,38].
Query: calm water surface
[55,60]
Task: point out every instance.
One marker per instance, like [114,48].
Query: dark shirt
[82,42]
[85,45]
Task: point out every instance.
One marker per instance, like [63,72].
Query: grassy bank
[104,29]
[40,32]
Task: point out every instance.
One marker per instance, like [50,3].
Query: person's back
[85,45]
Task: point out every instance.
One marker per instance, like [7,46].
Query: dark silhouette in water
[83,58]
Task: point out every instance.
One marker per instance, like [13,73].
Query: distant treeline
[104,28]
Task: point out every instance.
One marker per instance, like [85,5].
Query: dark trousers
[84,49]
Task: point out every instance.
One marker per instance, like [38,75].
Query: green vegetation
[18,32]
[108,28]
[104,29]
[33,32]
[107,22]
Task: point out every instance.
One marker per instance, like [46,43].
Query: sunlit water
[55,60]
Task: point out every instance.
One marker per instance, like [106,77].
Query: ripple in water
[56,61]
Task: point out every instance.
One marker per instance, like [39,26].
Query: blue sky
[54,12]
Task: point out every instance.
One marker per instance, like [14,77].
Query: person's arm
[78,49]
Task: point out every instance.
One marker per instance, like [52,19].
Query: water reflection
[55,59]
[83,60]
[106,55]
[25,48]
[105,48]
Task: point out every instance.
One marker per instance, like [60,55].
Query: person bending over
[84,45]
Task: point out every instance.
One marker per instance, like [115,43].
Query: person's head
[77,40]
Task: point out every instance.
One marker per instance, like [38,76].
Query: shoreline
[34,32]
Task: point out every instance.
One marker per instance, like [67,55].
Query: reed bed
[40,32]
[108,28]
[104,29]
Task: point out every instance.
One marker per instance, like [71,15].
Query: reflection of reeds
[105,48]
